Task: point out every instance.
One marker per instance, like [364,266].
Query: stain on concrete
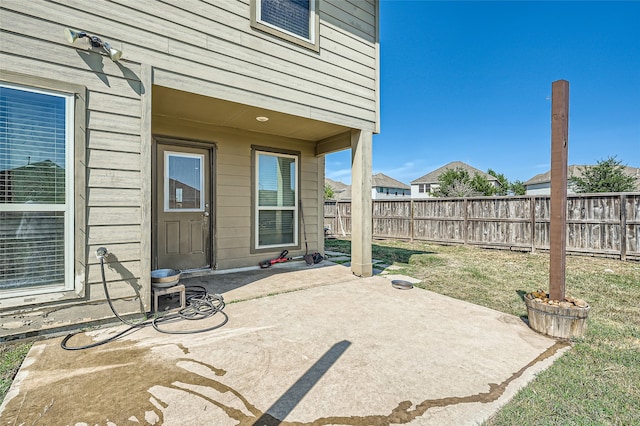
[119,383]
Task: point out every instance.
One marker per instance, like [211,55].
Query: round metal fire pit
[401,284]
[164,278]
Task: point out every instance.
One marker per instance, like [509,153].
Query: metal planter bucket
[164,278]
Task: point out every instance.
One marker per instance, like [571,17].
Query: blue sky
[471,82]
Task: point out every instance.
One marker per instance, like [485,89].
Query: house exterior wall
[205,48]
[232,208]
[539,189]
[394,194]
[416,194]
[544,188]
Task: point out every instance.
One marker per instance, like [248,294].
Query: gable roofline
[335,185]
[382,180]
[432,177]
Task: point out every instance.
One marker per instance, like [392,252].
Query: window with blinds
[36,189]
[293,16]
[296,21]
[276,218]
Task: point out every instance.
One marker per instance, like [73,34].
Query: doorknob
[205,214]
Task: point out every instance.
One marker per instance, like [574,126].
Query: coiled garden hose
[199,305]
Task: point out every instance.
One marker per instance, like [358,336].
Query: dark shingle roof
[382,180]
[341,191]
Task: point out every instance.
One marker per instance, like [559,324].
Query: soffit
[218,112]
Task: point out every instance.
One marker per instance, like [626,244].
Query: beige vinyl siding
[104,197]
[114,234]
[33,44]
[214,44]
[113,141]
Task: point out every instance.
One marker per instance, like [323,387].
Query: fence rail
[597,224]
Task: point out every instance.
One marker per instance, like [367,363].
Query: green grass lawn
[598,381]
[11,356]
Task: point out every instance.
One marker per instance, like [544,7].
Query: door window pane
[183,182]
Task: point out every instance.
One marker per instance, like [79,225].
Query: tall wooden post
[559,156]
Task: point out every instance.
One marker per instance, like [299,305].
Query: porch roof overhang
[328,137]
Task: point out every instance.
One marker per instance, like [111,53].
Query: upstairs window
[293,20]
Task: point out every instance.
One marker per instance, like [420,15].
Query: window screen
[293,16]
[34,201]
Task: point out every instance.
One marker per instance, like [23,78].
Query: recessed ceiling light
[262,119]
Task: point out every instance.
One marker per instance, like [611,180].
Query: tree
[328,193]
[459,188]
[454,183]
[503,182]
[457,183]
[482,185]
[517,187]
[607,176]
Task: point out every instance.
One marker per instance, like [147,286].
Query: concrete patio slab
[352,351]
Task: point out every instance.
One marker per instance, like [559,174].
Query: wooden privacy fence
[598,224]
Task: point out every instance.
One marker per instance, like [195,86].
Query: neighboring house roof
[432,177]
[576,170]
[341,191]
[545,177]
[382,180]
[335,185]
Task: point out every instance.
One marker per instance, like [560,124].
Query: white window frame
[168,154]
[68,208]
[258,208]
[314,26]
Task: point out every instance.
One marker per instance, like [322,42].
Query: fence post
[532,202]
[411,220]
[465,221]
[623,227]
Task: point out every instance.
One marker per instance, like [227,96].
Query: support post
[146,143]
[361,225]
[559,156]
